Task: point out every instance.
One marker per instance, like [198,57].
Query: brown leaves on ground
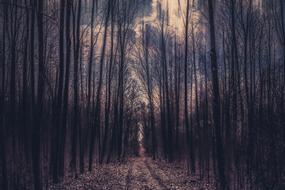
[104,177]
[137,174]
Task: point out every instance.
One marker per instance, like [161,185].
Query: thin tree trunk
[149,92]
[186,86]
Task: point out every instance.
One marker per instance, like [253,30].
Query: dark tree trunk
[76,113]
[58,107]
[65,108]
[108,87]
[4,180]
[96,128]
[216,100]
[36,152]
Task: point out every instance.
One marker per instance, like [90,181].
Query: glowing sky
[176,11]
[172,6]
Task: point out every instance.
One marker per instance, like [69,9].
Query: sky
[175,19]
[176,10]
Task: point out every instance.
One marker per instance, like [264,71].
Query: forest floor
[140,173]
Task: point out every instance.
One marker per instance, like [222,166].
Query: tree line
[216,92]
[65,88]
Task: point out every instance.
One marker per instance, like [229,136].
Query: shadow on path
[140,173]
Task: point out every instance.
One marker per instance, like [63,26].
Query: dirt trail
[142,177]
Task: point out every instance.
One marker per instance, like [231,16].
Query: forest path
[142,177]
[136,173]
[147,174]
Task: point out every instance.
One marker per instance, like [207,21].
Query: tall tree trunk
[32,47]
[36,153]
[76,113]
[4,180]
[196,92]
[97,119]
[177,91]
[91,55]
[90,71]
[65,108]
[216,100]
[186,114]
[149,93]
[108,87]
[58,107]
[24,119]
